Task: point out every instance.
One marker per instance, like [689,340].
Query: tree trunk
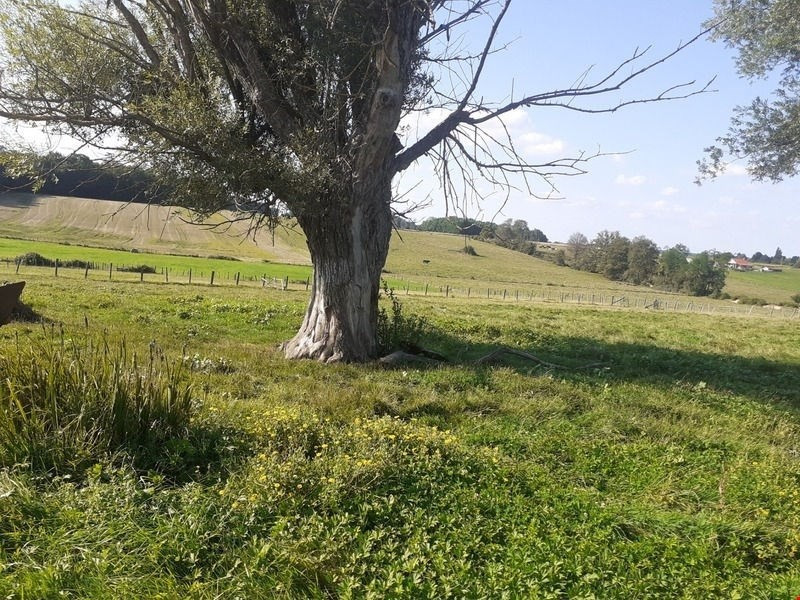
[348,250]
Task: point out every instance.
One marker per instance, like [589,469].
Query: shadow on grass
[587,359]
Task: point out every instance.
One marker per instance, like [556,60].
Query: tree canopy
[765,133]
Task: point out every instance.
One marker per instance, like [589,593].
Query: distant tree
[766,133]
[642,261]
[577,244]
[682,249]
[672,267]
[760,257]
[614,262]
[537,235]
[400,222]
[723,258]
[703,277]
[778,257]
[440,225]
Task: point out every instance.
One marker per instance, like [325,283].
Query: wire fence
[662,302]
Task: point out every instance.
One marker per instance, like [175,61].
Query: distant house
[740,264]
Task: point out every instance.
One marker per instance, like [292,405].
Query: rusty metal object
[9,299]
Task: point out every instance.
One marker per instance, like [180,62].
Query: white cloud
[663,206]
[735,170]
[669,191]
[632,180]
[535,143]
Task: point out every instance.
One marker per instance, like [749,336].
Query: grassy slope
[670,470]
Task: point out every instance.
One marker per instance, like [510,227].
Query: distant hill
[141,227]
[420,256]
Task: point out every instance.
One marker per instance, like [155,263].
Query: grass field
[669,469]
[155,444]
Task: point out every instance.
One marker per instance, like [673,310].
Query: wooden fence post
[237,277]
[86,270]
[19,262]
[141,275]
[190,276]
[56,267]
[212,277]
[426,289]
[166,274]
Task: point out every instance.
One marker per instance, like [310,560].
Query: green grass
[670,469]
[178,266]
[772,287]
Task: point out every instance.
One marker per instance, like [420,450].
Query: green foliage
[470,250]
[136,268]
[64,407]
[765,133]
[396,328]
[699,275]
[703,277]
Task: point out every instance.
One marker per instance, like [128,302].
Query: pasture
[669,467]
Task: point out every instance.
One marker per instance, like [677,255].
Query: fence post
[237,277]
[212,277]
[141,275]
[19,262]
[447,292]
[56,267]
[426,289]
[308,282]
[86,271]
[166,274]
[285,283]
[190,276]
[504,294]
[468,291]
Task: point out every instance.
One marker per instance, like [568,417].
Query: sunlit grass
[669,468]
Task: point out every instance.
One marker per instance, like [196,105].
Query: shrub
[34,259]
[469,250]
[136,269]
[63,408]
[796,298]
[396,329]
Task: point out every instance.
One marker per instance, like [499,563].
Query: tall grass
[63,406]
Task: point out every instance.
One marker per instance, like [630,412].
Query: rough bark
[348,250]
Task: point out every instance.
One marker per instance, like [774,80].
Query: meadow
[659,458]
[154,443]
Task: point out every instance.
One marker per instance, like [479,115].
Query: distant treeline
[511,233]
[78,175]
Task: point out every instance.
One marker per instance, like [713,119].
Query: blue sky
[649,190]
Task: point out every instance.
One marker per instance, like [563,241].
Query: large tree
[765,133]
[250,104]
